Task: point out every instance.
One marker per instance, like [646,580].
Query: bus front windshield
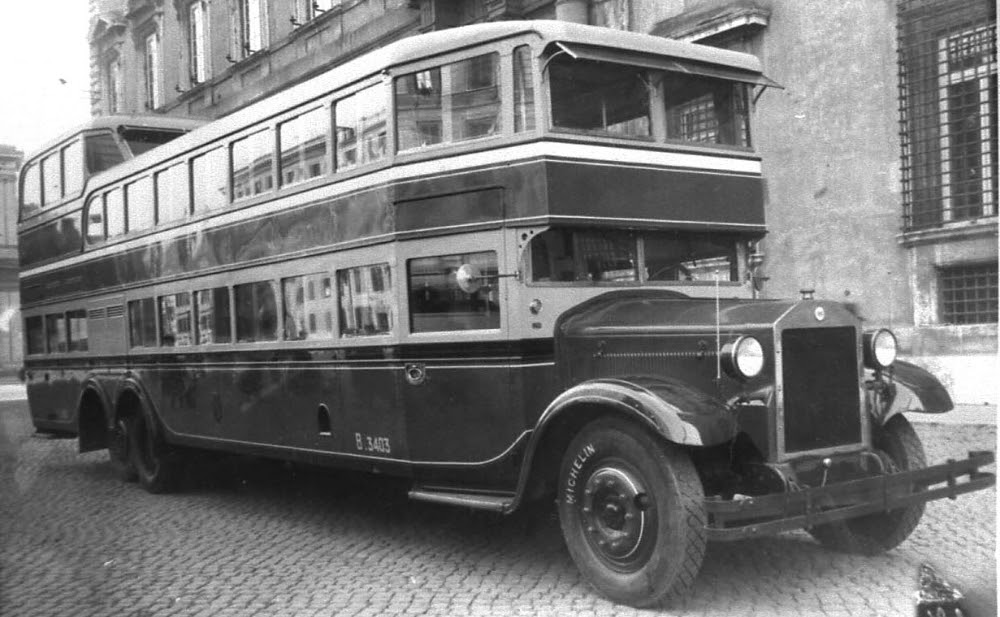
[618,100]
[610,256]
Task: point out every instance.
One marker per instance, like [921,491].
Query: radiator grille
[820,371]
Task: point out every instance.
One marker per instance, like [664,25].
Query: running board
[477,501]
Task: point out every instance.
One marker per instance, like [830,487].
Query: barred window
[969,294]
[948,110]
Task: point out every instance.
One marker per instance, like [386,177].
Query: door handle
[416,373]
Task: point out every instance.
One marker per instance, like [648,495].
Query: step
[479,501]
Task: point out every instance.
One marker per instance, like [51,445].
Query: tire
[877,533]
[631,512]
[156,464]
[119,450]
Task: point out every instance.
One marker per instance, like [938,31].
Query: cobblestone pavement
[249,537]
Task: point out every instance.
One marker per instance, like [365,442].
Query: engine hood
[651,311]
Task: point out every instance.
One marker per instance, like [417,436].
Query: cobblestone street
[248,537]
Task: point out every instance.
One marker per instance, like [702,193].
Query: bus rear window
[102,152]
[600,97]
[143,140]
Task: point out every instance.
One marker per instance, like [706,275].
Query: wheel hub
[614,512]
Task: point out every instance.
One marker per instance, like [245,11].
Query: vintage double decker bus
[505,261]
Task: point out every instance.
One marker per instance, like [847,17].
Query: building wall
[10,320]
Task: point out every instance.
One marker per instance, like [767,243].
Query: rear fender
[94,416]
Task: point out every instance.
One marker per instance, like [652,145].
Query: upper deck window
[209,180]
[72,162]
[600,97]
[303,147]
[31,190]
[456,102]
[706,110]
[172,196]
[253,162]
[114,209]
[140,206]
[52,179]
[360,121]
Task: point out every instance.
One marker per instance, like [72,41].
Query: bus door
[454,358]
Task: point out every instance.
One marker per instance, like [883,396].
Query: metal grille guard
[768,514]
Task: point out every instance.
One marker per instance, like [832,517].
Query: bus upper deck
[473,96]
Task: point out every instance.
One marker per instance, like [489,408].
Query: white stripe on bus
[444,167]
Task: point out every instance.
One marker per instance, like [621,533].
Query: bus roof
[114,122]
[415,48]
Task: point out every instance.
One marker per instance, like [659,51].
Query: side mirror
[469,278]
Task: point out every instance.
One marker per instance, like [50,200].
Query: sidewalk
[961,414]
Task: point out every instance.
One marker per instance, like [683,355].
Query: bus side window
[51,179]
[253,164]
[77,330]
[172,195]
[367,303]
[437,304]
[175,320]
[72,160]
[209,180]
[212,310]
[524,91]
[95,219]
[114,208]
[55,331]
[34,334]
[139,204]
[360,123]
[256,312]
[308,315]
[142,323]
[303,147]
[31,191]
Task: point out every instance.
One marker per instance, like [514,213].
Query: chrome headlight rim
[880,348]
[744,357]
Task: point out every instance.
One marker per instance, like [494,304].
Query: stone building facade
[10,321]
[880,155]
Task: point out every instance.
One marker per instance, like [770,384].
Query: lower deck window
[212,308]
[256,312]
[175,320]
[366,301]
[438,304]
[309,307]
[142,323]
[77,322]
[55,333]
[34,330]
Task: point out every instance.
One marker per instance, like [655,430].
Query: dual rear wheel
[139,453]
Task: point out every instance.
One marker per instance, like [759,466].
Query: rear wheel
[877,533]
[631,512]
[119,450]
[156,463]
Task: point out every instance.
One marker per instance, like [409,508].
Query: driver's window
[437,300]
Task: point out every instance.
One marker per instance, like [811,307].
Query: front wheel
[631,511]
[876,533]
[155,463]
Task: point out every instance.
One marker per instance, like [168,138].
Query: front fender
[677,412]
[925,387]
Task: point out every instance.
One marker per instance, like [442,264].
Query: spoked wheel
[118,449]
[156,464]
[876,533]
[631,512]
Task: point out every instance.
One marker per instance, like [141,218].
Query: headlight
[744,358]
[880,349]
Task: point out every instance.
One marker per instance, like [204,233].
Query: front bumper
[735,519]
